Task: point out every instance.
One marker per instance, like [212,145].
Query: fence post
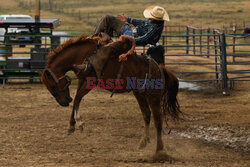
[215,57]
[200,41]
[194,41]
[234,31]
[223,62]
[187,40]
[208,41]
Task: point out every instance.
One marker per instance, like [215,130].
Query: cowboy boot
[95,64]
[99,60]
[84,68]
[101,57]
[81,67]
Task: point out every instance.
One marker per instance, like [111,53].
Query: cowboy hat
[156,12]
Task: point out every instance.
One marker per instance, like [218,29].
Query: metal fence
[217,51]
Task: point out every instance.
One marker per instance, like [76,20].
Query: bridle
[56,94]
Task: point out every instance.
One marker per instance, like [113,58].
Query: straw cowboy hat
[156,12]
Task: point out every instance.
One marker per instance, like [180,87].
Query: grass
[81,15]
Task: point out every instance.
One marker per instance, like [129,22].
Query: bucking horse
[121,63]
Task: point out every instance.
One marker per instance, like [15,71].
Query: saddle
[157,53]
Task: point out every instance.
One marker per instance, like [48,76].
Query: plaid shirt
[148,31]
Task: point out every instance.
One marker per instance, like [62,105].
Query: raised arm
[135,22]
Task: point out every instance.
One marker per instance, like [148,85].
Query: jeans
[127,30]
[109,24]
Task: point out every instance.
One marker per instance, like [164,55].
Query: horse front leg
[72,122]
[75,117]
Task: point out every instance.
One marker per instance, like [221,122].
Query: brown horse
[161,101]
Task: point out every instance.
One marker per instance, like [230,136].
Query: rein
[62,86]
[148,75]
[123,58]
[118,77]
[53,75]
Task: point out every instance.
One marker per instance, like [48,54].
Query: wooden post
[37,11]
[208,41]
[223,63]
[234,40]
[37,21]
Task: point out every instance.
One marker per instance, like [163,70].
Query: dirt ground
[216,130]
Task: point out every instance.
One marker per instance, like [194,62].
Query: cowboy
[143,31]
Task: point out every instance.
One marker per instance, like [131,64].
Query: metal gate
[211,48]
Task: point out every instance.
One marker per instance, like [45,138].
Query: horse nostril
[68,99]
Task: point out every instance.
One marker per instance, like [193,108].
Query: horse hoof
[161,156]
[143,143]
[81,127]
[71,131]
[165,132]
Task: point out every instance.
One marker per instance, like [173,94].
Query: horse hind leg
[155,105]
[146,116]
[158,121]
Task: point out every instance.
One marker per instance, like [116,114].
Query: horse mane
[72,41]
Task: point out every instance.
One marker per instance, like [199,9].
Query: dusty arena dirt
[215,132]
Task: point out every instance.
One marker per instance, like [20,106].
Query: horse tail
[170,105]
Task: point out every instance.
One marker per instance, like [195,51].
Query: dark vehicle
[19,38]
